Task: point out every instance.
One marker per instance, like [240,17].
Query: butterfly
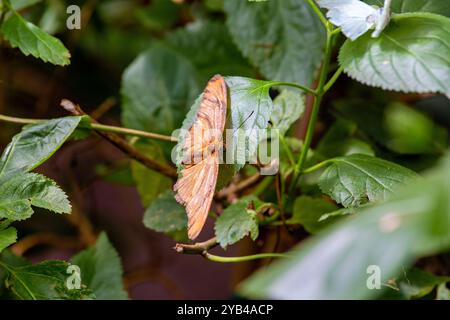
[356,17]
[202,147]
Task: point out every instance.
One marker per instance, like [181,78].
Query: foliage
[364,173]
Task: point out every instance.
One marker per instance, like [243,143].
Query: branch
[196,248]
[122,144]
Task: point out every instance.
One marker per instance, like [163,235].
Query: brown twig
[51,239]
[234,188]
[103,108]
[196,248]
[123,145]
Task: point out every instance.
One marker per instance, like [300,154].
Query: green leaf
[288,106]
[24,190]
[414,284]
[251,108]
[411,132]
[35,144]
[356,179]
[32,40]
[46,280]
[166,215]
[209,47]
[308,211]
[283,38]
[411,55]
[7,237]
[157,90]
[334,265]
[101,270]
[238,221]
[149,183]
[403,6]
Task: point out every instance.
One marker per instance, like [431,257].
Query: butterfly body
[202,148]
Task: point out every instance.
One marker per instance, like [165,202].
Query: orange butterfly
[202,148]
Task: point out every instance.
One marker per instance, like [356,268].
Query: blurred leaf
[334,264]
[209,47]
[118,173]
[22,4]
[443,293]
[101,270]
[251,108]
[411,132]
[166,215]
[238,221]
[149,183]
[307,212]
[35,144]
[402,6]
[288,106]
[24,190]
[7,237]
[46,280]
[157,90]
[397,61]
[356,179]
[53,19]
[159,15]
[415,284]
[339,141]
[283,38]
[32,40]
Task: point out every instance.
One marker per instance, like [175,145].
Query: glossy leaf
[356,179]
[334,264]
[7,237]
[283,38]
[397,60]
[32,40]
[237,221]
[24,190]
[101,270]
[166,215]
[251,108]
[157,90]
[35,144]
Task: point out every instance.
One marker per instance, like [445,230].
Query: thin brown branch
[242,185]
[196,248]
[123,144]
[103,108]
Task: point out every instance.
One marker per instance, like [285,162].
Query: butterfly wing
[353,16]
[195,188]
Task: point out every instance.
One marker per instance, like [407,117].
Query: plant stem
[333,79]
[295,85]
[215,258]
[317,166]
[98,127]
[315,110]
